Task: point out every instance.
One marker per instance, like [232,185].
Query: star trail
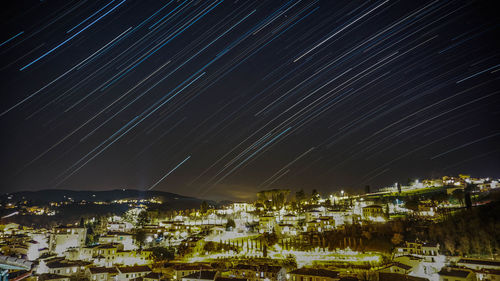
[222,98]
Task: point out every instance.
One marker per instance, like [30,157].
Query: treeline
[474,232]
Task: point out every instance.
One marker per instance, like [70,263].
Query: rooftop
[201,275]
[454,272]
[132,269]
[480,262]
[316,272]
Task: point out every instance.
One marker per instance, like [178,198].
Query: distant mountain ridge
[58,195]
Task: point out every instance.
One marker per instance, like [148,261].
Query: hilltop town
[440,229]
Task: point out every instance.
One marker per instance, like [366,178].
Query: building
[418,248]
[397,267]
[456,274]
[124,238]
[152,276]
[311,274]
[101,273]
[64,267]
[127,273]
[181,270]
[266,224]
[201,275]
[383,276]
[53,277]
[259,273]
[372,211]
[65,237]
[479,264]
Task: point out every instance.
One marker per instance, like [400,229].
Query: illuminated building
[126,239]
[266,223]
[372,211]
[65,237]
[127,273]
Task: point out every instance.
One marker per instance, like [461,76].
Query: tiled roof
[480,262]
[316,272]
[202,275]
[97,270]
[454,272]
[131,269]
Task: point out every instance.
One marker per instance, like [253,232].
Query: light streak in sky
[70,38]
[11,38]
[167,174]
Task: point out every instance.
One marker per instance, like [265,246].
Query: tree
[300,196]
[162,253]
[399,187]
[140,238]
[412,204]
[367,189]
[290,262]
[270,238]
[143,218]
[210,247]
[458,195]
[204,207]
[449,244]
[230,224]
[397,238]
[315,195]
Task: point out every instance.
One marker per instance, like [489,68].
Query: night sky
[219,99]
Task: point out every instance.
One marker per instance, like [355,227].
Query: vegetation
[473,232]
[162,253]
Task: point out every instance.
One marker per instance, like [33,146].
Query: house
[127,273]
[153,276]
[64,237]
[398,277]
[397,267]
[456,274]
[67,268]
[262,272]
[201,275]
[373,211]
[479,264]
[311,274]
[266,223]
[230,279]
[327,223]
[286,229]
[102,255]
[101,273]
[269,272]
[245,271]
[53,277]
[120,226]
[312,215]
[313,225]
[488,275]
[290,219]
[181,270]
[124,238]
[242,207]
[418,248]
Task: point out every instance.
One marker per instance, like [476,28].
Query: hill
[43,197]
